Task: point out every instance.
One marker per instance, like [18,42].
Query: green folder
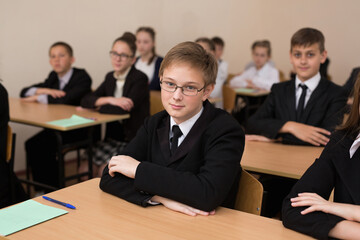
[245,90]
[26,214]
[72,121]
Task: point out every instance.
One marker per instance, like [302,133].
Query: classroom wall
[28,28]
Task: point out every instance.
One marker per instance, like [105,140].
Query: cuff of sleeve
[31,92]
[42,98]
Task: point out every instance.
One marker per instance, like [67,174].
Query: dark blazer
[155,81]
[77,87]
[349,85]
[4,120]
[324,109]
[203,172]
[135,87]
[334,168]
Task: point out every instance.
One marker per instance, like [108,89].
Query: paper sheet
[72,121]
[26,214]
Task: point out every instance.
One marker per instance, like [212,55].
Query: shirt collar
[122,76]
[186,126]
[310,83]
[66,78]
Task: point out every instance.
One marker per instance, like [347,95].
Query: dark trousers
[41,150]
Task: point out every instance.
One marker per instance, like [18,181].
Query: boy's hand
[180,207]
[52,92]
[307,133]
[123,164]
[259,138]
[30,99]
[125,103]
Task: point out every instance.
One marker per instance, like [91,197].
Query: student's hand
[123,164]
[259,138]
[125,103]
[306,133]
[180,207]
[29,99]
[52,92]
[250,84]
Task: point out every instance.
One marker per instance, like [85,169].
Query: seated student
[301,111]
[261,76]
[222,70]
[186,157]
[300,116]
[305,208]
[64,85]
[210,47]
[124,90]
[148,62]
[7,175]
[348,86]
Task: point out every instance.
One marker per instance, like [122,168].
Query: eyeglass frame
[182,89]
[123,56]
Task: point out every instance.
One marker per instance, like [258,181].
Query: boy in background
[64,85]
[186,157]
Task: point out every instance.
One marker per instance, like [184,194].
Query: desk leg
[60,159]
[89,152]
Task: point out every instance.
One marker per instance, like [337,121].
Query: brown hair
[352,124]
[63,44]
[193,54]
[207,41]
[306,37]
[264,44]
[151,32]
[218,41]
[129,39]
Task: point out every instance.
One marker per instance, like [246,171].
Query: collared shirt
[120,81]
[263,78]
[354,146]
[311,84]
[43,98]
[185,126]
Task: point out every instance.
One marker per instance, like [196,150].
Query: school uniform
[203,172]
[136,88]
[154,80]
[221,77]
[41,148]
[334,169]
[323,109]
[349,85]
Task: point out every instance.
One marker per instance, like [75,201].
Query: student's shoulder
[282,86]
[136,74]
[222,120]
[80,72]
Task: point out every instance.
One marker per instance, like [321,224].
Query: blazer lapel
[163,137]
[290,100]
[195,133]
[348,169]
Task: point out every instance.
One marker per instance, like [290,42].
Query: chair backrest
[229,95]
[282,76]
[10,147]
[155,102]
[250,194]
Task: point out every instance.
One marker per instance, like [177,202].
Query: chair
[10,153]
[155,102]
[229,95]
[250,194]
[282,76]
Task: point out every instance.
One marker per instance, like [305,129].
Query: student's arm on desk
[306,133]
[122,102]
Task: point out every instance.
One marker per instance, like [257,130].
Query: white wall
[28,28]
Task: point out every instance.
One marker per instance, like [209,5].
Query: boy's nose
[178,94]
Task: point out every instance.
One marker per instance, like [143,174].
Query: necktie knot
[175,138]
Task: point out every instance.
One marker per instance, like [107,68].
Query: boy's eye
[190,88]
[170,84]
[297,55]
[310,54]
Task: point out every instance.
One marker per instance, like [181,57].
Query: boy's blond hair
[194,55]
[306,37]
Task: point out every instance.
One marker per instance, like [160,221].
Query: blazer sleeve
[137,92]
[78,86]
[207,188]
[48,83]
[349,85]
[264,121]
[122,186]
[320,179]
[4,120]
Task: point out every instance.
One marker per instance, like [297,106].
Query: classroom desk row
[102,216]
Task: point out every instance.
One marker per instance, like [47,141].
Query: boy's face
[219,50]
[144,43]
[60,60]
[121,57]
[306,60]
[178,105]
[260,56]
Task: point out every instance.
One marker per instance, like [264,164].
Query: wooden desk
[102,216]
[36,114]
[279,159]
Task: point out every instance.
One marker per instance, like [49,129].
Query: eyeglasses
[122,56]
[186,90]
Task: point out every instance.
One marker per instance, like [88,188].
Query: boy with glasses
[188,156]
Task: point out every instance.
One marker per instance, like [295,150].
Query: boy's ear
[207,91]
[133,61]
[323,56]
[72,60]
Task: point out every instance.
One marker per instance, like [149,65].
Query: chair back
[155,102]
[229,95]
[250,194]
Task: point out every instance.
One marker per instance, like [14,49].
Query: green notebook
[245,90]
[26,214]
[72,121]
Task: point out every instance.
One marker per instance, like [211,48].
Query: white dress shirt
[311,84]
[220,80]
